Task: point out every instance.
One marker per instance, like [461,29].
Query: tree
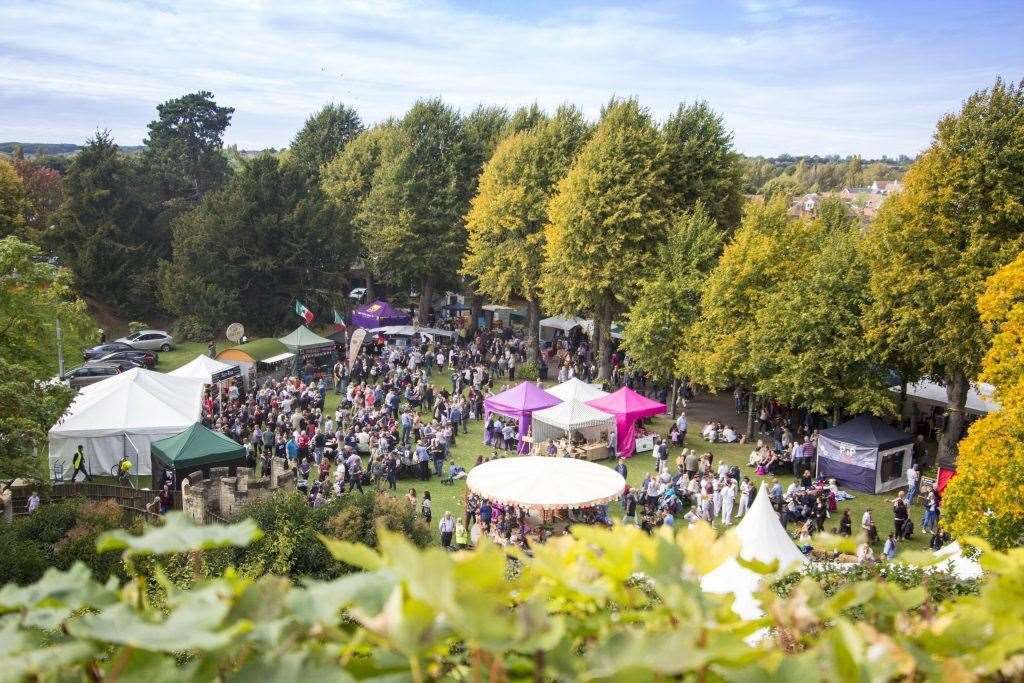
[606,213]
[958,219]
[182,155]
[248,250]
[700,165]
[808,340]
[347,180]
[103,229]
[13,204]
[783,187]
[853,174]
[984,498]
[669,302]
[417,202]
[43,195]
[719,346]
[324,136]
[506,222]
[524,118]
[34,295]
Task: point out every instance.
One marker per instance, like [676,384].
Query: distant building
[886,187]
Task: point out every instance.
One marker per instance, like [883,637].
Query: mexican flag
[339,322]
[303,312]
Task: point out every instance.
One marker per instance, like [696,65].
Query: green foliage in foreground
[597,605]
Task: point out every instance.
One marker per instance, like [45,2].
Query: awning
[544,483]
[287,355]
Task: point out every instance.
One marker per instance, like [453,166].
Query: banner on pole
[354,345]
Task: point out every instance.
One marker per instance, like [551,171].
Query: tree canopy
[324,136]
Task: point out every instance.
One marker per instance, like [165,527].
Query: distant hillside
[37,148]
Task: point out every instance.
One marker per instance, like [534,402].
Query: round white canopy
[545,483]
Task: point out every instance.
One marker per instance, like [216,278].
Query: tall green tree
[44,192]
[183,153]
[808,341]
[13,203]
[958,219]
[249,250]
[607,212]
[347,180]
[719,347]
[668,303]
[414,212]
[103,229]
[700,165]
[324,136]
[506,222]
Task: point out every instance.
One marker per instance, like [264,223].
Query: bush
[134,327]
[527,371]
[193,328]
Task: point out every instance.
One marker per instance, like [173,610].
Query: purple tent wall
[854,476]
[524,422]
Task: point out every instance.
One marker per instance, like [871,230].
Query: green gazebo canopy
[195,447]
[304,338]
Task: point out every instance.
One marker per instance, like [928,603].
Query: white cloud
[781,74]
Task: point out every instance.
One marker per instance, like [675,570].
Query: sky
[817,77]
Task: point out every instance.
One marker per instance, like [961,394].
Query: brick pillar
[226,496]
[275,471]
[243,481]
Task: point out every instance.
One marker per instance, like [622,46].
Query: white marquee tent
[558,322]
[122,415]
[954,561]
[207,369]
[576,390]
[571,416]
[543,483]
[762,538]
[979,396]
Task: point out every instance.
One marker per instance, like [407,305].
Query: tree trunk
[476,307]
[837,415]
[371,287]
[604,348]
[675,397]
[750,416]
[533,332]
[903,398]
[426,294]
[949,438]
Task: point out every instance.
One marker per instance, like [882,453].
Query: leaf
[179,534]
[355,554]
[54,597]
[320,602]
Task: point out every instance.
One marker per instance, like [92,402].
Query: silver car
[149,340]
[90,374]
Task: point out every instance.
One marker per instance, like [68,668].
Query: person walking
[78,464]
[425,507]
[447,528]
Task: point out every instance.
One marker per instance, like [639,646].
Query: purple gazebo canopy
[379,314]
[519,403]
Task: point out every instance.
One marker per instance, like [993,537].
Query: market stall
[195,449]
[627,406]
[379,314]
[541,483]
[865,454]
[209,370]
[519,403]
[314,355]
[400,335]
[585,428]
[122,416]
[548,327]
[250,356]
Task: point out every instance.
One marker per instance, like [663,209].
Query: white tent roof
[573,414]
[410,330]
[576,390]
[545,483]
[979,395]
[137,399]
[762,538]
[961,567]
[201,367]
[565,324]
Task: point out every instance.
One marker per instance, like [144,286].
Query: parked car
[357,294]
[90,374]
[149,340]
[97,352]
[145,359]
[122,363]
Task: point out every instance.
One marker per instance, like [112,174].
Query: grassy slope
[469,447]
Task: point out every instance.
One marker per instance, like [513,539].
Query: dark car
[97,352]
[146,359]
[90,374]
[121,363]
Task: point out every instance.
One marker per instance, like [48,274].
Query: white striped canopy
[544,483]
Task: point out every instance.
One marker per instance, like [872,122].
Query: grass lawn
[469,446]
[183,353]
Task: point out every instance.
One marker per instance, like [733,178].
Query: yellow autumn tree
[986,497]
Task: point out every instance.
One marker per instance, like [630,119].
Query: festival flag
[339,322]
[303,312]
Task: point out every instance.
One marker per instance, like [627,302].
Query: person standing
[728,495]
[33,502]
[613,443]
[447,528]
[681,425]
[913,481]
[426,509]
[621,468]
[78,464]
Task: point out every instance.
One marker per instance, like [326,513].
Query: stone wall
[224,495]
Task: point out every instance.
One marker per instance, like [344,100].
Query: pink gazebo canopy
[627,406]
[519,403]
